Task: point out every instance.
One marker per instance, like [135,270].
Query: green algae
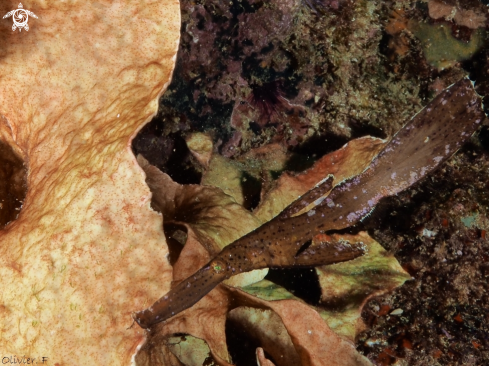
[440,48]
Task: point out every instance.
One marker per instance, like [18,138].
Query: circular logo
[20,17]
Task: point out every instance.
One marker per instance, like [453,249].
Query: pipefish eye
[218,266]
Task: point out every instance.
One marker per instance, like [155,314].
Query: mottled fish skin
[432,136]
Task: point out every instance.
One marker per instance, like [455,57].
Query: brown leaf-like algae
[432,136]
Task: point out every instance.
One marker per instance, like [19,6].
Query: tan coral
[86,249]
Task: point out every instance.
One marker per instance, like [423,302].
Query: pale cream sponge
[86,250]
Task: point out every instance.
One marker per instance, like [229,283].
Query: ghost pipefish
[428,139]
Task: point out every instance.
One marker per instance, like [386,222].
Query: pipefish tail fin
[183,296]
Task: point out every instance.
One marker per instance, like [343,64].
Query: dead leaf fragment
[267,328]
[261,359]
[314,341]
[354,282]
[210,212]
